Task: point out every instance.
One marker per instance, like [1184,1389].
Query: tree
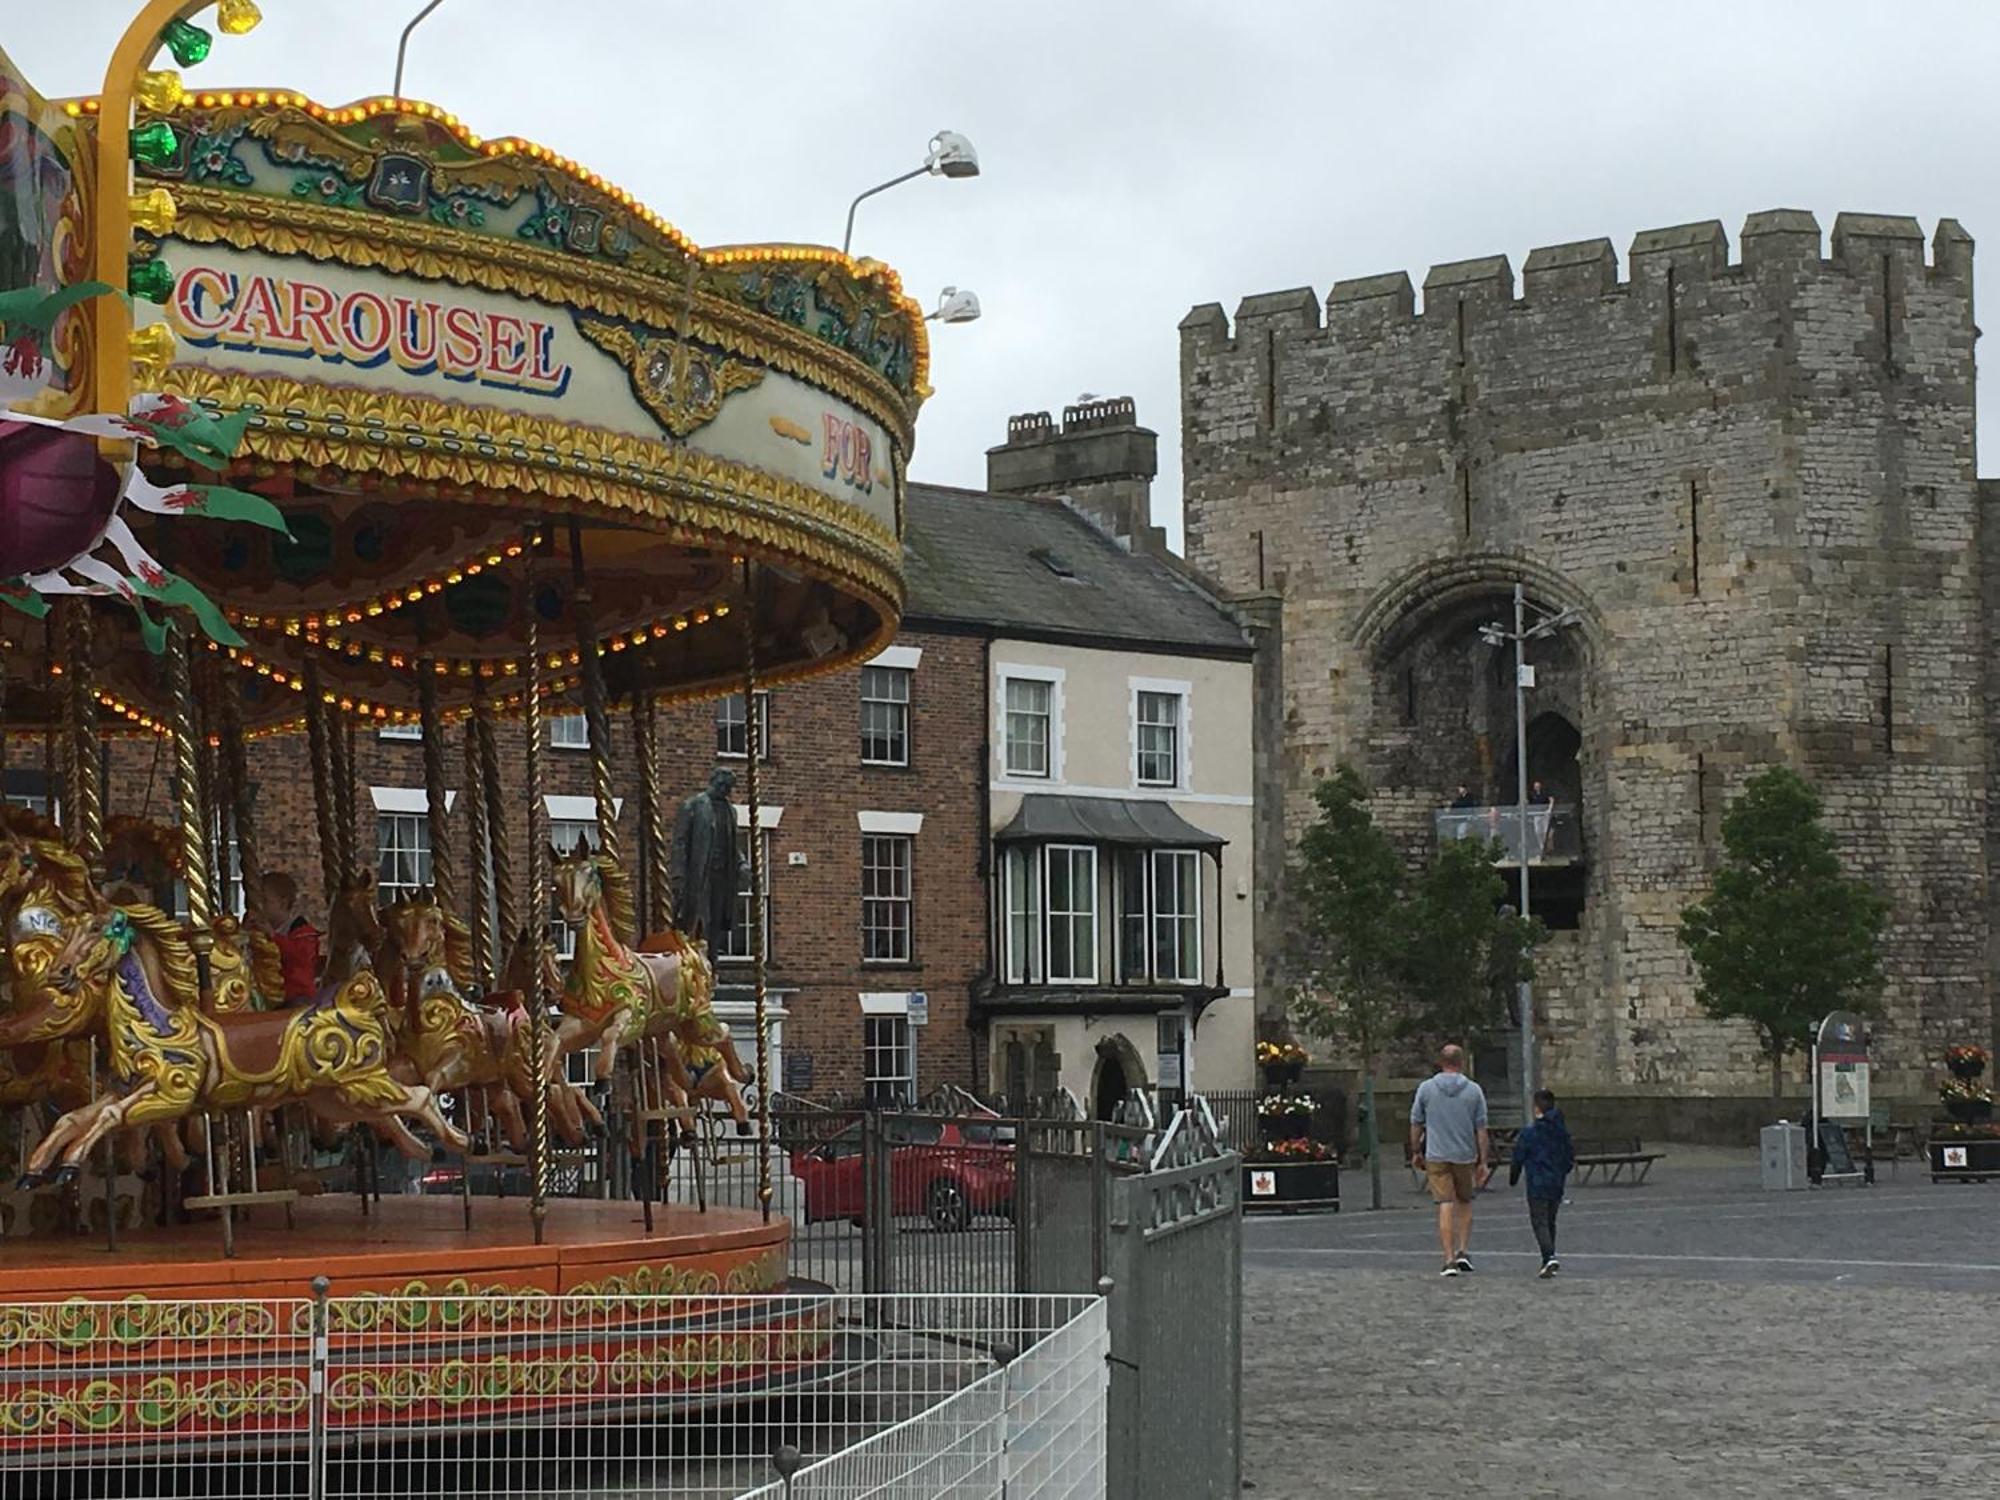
[1345,893]
[1464,951]
[1785,936]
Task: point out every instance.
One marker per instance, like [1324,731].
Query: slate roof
[1031,566]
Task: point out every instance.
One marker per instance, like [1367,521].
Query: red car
[947,1171]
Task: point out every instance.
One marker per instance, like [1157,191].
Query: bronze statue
[708,875]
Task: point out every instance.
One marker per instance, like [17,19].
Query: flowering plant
[1963,1088]
[1280,1052]
[1286,1104]
[1295,1150]
[1965,1061]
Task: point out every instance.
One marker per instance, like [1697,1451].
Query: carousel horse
[615,995]
[353,930]
[425,963]
[129,976]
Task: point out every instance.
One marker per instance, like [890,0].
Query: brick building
[1751,479]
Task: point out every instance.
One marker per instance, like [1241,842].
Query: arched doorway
[1118,1072]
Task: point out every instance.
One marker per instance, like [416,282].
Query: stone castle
[1753,482]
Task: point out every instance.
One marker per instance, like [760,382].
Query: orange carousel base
[426,1326]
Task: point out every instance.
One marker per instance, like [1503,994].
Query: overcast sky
[1142,157]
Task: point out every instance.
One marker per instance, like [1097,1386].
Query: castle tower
[1753,481]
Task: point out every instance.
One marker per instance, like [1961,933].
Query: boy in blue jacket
[1543,1151]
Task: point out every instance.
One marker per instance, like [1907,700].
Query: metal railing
[1550,834]
[387,1397]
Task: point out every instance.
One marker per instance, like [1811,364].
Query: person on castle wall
[707,874]
[276,908]
[1463,801]
[1541,807]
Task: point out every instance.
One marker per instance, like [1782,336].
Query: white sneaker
[1449,1271]
[1548,1269]
[1554,1265]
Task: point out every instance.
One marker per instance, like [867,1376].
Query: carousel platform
[166,1347]
[412,1246]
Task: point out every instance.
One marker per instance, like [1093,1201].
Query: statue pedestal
[729,1179]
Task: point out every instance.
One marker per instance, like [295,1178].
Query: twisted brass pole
[538,888]
[323,790]
[476,856]
[752,745]
[194,837]
[82,703]
[444,872]
[596,712]
[655,853]
[249,863]
[350,827]
[509,912]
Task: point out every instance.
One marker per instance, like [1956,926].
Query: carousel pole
[82,708]
[444,864]
[477,854]
[194,848]
[350,826]
[751,744]
[249,862]
[325,818]
[538,885]
[59,739]
[596,713]
[654,849]
[508,911]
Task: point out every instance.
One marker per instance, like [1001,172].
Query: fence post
[1099,1170]
[316,1393]
[1024,1211]
[1004,1354]
[876,1205]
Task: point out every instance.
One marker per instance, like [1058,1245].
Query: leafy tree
[1785,936]
[1463,954]
[1345,894]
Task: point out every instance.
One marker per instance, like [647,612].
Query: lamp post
[1524,678]
[403,46]
[950,155]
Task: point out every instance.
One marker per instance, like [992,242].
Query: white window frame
[1183,736]
[1021,902]
[737,948]
[1053,678]
[392,825]
[401,732]
[569,731]
[883,1087]
[907,900]
[1183,923]
[1071,914]
[763,727]
[907,677]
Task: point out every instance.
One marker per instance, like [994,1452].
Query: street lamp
[950,155]
[955,305]
[1524,678]
[403,46]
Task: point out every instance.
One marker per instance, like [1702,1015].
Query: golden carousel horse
[128,976]
[615,995]
[425,962]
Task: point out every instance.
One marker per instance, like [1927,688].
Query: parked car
[946,1171]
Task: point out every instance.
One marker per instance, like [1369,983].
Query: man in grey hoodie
[1449,1144]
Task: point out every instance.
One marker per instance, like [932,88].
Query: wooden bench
[1615,1157]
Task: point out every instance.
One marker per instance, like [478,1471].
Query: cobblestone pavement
[1704,1338]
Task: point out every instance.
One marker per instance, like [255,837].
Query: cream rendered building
[1118,767]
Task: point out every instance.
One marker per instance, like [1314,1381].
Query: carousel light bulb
[159,91]
[238,17]
[151,281]
[152,350]
[154,212]
[187,41]
[155,145]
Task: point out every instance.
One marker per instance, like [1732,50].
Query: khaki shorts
[1450,1181]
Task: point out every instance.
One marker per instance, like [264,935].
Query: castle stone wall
[1752,477]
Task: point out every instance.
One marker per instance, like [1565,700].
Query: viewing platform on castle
[1549,835]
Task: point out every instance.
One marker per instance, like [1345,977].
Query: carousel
[316,421]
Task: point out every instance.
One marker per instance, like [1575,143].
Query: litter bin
[1784,1156]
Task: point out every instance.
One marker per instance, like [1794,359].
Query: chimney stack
[1101,459]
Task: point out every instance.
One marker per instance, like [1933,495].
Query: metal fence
[380,1398]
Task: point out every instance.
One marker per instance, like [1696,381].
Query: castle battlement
[1777,243]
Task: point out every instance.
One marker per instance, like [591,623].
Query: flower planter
[1968,1159]
[1289,1187]
[1967,1068]
[1969,1111]
[1282,1075]
[1285,1127]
